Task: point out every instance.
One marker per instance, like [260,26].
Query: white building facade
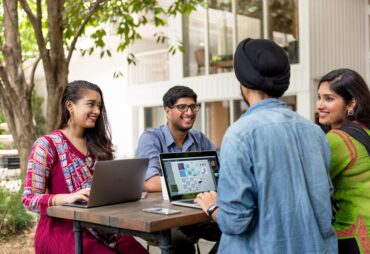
[318,36]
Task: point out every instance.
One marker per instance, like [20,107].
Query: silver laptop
[116,181]
[187,174]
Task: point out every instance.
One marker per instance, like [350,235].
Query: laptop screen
[187,174]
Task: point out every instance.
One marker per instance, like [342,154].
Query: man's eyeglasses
[184,107]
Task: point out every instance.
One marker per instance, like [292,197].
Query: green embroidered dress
[350,173]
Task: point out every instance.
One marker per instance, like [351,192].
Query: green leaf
[117,74]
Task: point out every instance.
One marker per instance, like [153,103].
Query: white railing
[150,67]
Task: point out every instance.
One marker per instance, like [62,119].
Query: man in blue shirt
[180,106]
[274,189]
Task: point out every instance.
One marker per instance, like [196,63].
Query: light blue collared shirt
[160,140]
[274,187]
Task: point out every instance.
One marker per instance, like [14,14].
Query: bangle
[54,200]
[211,210]
[50,201]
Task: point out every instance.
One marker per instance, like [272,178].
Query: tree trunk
[14,88]
[56,72]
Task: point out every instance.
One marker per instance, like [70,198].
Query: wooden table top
[130,215]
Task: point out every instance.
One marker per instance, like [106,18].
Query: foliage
[27,37]
[48,32]
[37,113]
[13,216]
[127,17]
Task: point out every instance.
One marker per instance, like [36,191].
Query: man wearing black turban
[262,65]
[273,194]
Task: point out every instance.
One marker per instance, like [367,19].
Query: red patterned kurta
[55,166]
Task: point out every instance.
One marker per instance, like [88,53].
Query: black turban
[262,65]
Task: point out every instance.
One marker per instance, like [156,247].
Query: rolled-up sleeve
[236,188]
[149,147]
[34,196]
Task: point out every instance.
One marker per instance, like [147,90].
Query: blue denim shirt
[274,186]
[160,140]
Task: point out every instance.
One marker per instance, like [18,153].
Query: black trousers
[206,230]
[348,246]
[183,238]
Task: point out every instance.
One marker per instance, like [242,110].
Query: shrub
[13,216]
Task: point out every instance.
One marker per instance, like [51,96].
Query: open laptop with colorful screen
[189,173]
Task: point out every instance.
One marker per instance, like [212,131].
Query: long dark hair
[350,85]
[98,139]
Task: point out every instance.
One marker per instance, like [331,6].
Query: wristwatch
[211,210]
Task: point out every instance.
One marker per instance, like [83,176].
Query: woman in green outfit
[344,103]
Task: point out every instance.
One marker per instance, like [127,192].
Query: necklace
[88,160]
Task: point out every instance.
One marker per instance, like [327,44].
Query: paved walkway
[205,246]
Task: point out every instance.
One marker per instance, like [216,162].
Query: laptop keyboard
[188,201]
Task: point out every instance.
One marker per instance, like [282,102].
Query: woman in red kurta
[60,170]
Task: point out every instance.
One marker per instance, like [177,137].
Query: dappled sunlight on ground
[21,243]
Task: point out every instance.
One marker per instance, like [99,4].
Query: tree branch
[36,22]
[29,12]
[79,31]
[39,10]
[32,78]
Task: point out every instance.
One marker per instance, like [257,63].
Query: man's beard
[181,128]
[245,99]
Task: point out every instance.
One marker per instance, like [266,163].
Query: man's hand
[206,199]
[153,184]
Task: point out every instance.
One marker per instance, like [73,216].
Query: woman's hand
[206,199]
[81,196]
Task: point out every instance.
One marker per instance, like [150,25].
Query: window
[194,29]
[217,120]
[249,22]
[154,117]
[283,28]
[291,101]
[239,108]
[220,35]
[273,19]
[151,65]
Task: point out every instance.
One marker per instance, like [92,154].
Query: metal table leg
[77,229]
[165,242]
